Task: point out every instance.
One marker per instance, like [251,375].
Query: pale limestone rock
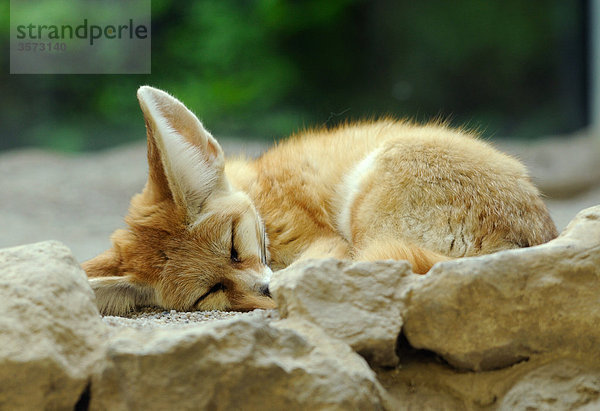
[478,313]
[51,334]
[492,311]
[359,303]
[234,364]
[561,385]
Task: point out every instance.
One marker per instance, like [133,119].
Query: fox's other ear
[105,264]
[186,163]
[120,294]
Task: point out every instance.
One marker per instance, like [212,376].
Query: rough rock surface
[561,167]
[51,334]
[234,364]
[526,320]
[561,385]
[493,311]
[358,303]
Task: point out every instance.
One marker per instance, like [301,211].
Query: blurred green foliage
[264,68]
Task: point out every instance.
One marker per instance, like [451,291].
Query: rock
[234,364]
[358,303]
[51,334]
[492,311]
[483,313]
[561,385]
[560,167]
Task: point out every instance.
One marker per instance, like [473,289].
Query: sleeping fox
[205,233]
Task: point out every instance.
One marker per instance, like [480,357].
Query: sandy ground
[80,200]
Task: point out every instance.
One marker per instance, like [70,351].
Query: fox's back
[442,188]
[294,184]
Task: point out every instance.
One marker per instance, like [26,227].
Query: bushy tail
[420,258]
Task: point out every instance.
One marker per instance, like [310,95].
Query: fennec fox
[205,233]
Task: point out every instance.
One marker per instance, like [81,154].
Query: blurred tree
[267,67]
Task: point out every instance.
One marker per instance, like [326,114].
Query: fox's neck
[241,174]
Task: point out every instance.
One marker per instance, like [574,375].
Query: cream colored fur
[204,232]
[117,295]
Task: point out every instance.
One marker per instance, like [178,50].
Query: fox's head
[193,241]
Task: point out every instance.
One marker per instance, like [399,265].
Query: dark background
[265,68]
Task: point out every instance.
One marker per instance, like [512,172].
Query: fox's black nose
[264,290]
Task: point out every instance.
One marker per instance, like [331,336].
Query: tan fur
[367,191]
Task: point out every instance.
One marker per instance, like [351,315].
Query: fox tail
[420,258]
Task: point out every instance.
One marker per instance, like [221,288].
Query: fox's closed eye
[263,252]
[235,258]
[234,255]
[214,289]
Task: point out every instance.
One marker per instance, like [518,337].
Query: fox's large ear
[186,163]
[120,294]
